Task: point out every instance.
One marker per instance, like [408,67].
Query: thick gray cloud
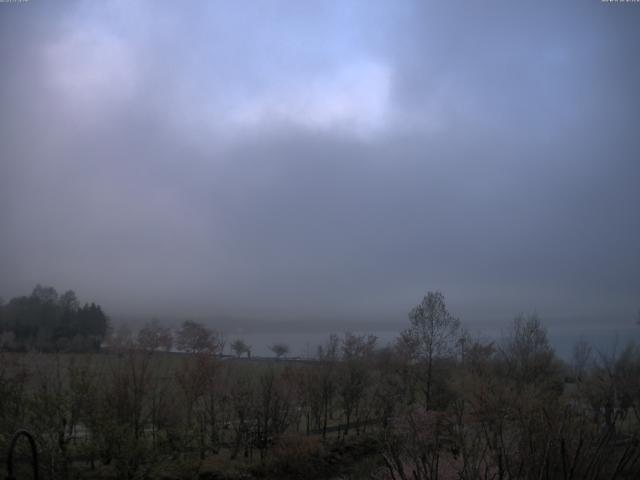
[324,163]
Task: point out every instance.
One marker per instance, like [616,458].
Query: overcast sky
[324,163]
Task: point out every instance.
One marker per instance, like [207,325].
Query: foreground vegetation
[436,404]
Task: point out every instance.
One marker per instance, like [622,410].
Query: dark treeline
[46,321]
[435,404]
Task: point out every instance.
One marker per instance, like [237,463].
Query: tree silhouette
[280,349]
[432,334]
[240,347]
[194,337]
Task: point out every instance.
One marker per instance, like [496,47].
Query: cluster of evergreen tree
[46,321]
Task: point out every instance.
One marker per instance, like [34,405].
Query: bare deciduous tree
[240,347]
[432,334]
[194,337]
[280,349]
[153,336]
